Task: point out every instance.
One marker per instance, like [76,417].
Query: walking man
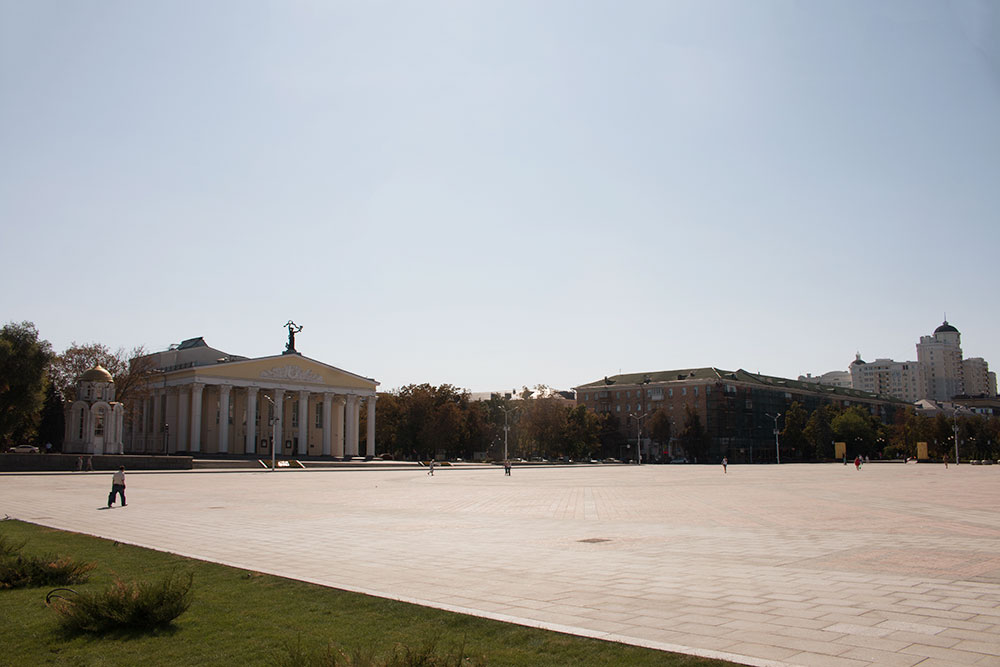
[431,471]
[725,462]
[117,486]
[506,467]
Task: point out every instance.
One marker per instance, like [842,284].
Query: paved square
[767,565]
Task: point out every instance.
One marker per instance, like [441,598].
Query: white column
[224,418]
[278,431]
[339,404]
[250,445]
[303,423]
[371,425]
[183,426]
[353,412]
[327,425]
[196,389]
[157,434]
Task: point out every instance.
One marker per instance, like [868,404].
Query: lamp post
[275,426]
[777,447]
[955,429]
[506,427]
[638,434]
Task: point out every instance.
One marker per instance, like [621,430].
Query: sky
[498,194]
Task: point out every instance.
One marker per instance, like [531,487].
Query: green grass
[246,618]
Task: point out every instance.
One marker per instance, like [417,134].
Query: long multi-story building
[901,379]
[736,407]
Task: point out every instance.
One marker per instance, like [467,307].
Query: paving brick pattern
[767,565]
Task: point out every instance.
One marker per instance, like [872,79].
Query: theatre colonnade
[244,407]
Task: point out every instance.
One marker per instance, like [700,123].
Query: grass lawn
[247,618]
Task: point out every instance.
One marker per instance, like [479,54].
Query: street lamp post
[777,446]
[506,428]
[955,429]
[638,435]
[275,426]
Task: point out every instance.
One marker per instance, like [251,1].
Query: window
[618,408]
[295,414]
[319,415]
[684,391]
[670,392]
[586,397]
[99,422]
[80,436]
[696,391]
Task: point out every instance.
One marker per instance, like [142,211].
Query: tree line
[37,382]
[420,420]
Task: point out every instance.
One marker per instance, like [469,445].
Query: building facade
[832,378]
[201,401]
[977,378]
[938,374]
[735,407]
[901,379]
[940,358]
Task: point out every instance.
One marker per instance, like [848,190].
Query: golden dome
[97,374]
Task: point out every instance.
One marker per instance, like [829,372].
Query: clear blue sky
[492,194]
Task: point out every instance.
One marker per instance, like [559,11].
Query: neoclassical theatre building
[201,401]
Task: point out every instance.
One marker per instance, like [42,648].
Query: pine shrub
[20,570]
[127,606]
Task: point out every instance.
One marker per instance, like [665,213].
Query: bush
[19,570]
[127,606]
[427,655]
[10,547]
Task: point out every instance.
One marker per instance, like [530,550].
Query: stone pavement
[768,565]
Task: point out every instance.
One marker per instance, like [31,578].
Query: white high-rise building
[977,377]
[940,359]
[938,374]
[900,379]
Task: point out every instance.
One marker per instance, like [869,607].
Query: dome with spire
[946,328]
[857,360]
[97,374]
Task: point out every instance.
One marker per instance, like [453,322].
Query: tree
[818,434]
[581,437]
[24,360]
[660,427]
[130,369]
[793,435]
[693,435]
[52,424]
[855,427]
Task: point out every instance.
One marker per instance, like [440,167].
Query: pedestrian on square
[725,462]
[79,464]
[945,459]
[117,486]
[431,468]
[857,462]
[90,464]
[506,468]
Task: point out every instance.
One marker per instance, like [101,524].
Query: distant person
[725,462]
[857,462]
[117,486]
[79,464]
[945,459]
[506,468]
[90,463]
[431,470]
